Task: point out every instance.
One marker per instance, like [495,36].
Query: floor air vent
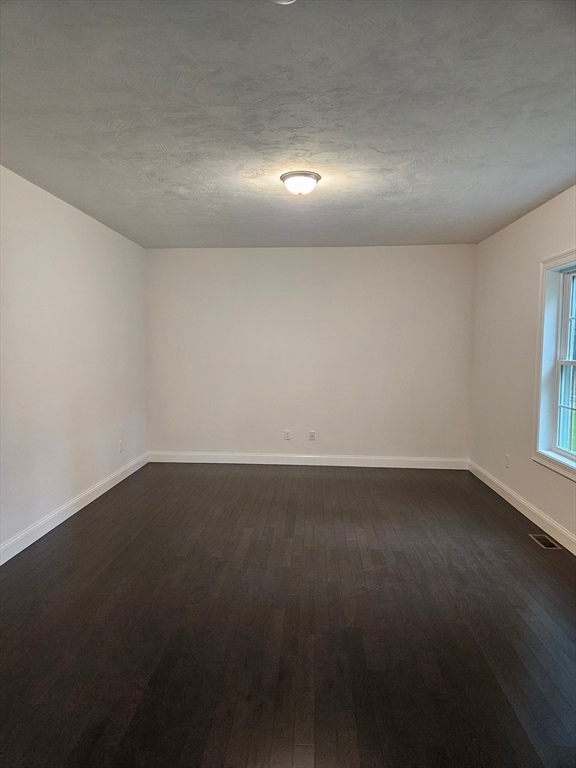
[545,541]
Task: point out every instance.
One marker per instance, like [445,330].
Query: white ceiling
[430,121]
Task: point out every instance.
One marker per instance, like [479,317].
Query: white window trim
[554,459]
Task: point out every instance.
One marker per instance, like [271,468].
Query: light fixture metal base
[310,175]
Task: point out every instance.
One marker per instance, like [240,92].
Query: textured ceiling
[430,121]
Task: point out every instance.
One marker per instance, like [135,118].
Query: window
[567,368]
[556,423]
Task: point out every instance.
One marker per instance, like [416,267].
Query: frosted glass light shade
[300,182]
[284,2]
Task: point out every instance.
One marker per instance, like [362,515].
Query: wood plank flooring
[290,617]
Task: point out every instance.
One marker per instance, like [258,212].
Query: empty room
[288,384]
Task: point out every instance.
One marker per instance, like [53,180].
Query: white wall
[370,347]
[505,364]
[73,356]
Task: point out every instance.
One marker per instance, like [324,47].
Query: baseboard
[34,532]
[541,519]
[405,462]
[31,534]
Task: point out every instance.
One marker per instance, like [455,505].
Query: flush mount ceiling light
[283,2]
[300,182]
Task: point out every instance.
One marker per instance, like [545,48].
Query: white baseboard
[31,534]
[405,462]
[35,531]
[541,519]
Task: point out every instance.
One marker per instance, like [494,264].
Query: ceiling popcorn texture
[172,122]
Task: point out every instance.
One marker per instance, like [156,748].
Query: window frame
[553,346]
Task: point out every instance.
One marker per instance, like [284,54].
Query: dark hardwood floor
[255,616]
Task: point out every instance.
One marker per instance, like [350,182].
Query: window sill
[557,463]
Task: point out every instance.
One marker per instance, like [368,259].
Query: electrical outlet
[120,446]
[312,435]
[286,434]
[507,461]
